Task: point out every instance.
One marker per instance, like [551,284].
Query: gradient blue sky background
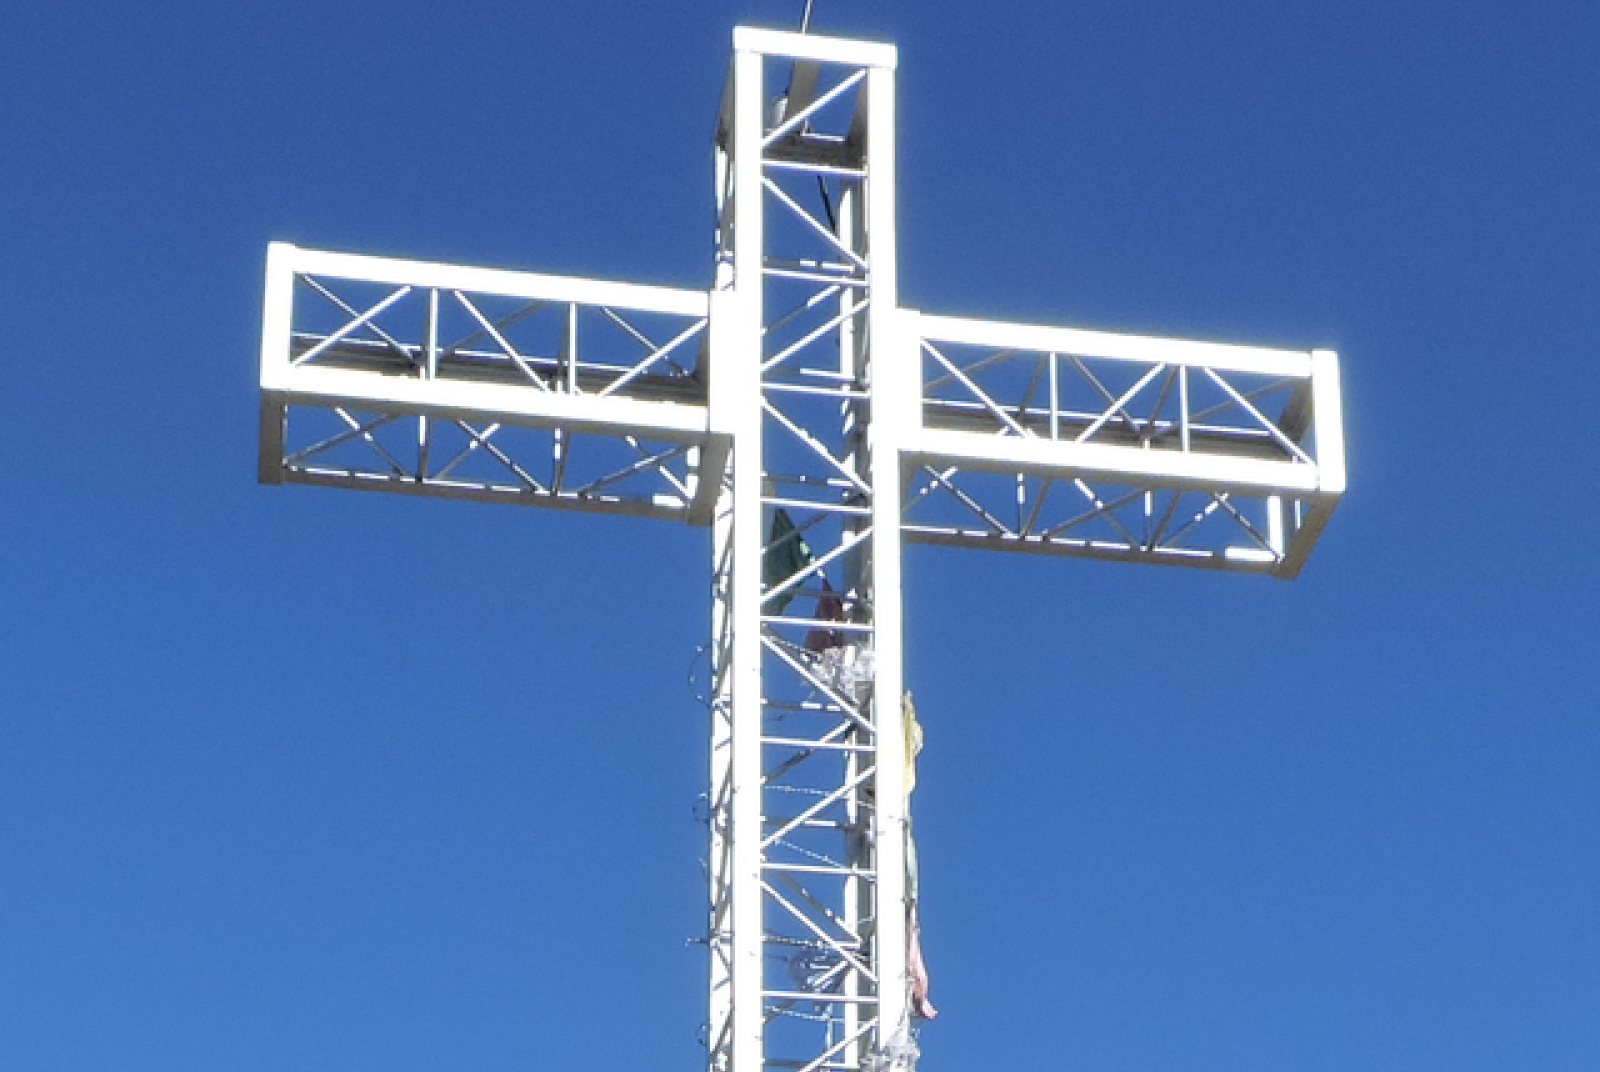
[294,779]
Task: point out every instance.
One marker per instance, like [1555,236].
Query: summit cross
[813,424]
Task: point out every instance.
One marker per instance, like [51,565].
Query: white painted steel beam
[316,386]
[739,365]
[285,256]
[781,44]
[1228,357]
[1044,457]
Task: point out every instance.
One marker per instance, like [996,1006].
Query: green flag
[785,555]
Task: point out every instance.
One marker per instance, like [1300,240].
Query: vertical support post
[857,906]
[276,316]
[719,861]
[735,376]
[430,369]
[890,386]
[1329,426]
[1327,430]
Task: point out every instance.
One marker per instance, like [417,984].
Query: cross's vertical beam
[808,831]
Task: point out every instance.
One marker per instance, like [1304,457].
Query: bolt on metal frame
[812,423]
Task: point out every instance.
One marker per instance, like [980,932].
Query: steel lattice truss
[800,919]
[474,383]
[1188,453]
[813,424]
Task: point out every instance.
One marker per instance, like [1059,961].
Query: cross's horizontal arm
[1066,441]
[466,382]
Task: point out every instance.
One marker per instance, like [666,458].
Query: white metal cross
[813,423]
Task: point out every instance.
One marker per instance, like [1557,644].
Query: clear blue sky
[295,779]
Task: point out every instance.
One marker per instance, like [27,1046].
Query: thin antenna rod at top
[805,19]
